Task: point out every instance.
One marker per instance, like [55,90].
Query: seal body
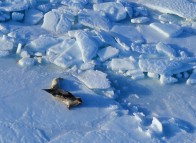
[66,97]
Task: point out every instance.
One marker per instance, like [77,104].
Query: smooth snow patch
[182,8]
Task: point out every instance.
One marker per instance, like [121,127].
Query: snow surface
[183,8]
[132,66]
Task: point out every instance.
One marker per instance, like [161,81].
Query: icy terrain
[132,62]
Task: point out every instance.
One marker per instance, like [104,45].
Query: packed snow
[132,62]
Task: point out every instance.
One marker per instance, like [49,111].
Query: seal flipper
[51,91]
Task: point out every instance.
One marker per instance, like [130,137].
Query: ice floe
[27,61]
[140,20]
[94,19]
[165,66]
[6,44]
[166,49]
[87,45]
[42,43]
[17,16]
[33,16]
[168,30]
[94,79]
[115,11]
[122,64]
[107,53]
[50,21]
[192,78]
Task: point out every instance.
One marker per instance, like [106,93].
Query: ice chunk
[140,11]
[165,66]
[107,53]
[69,57]
[95,1]
[50,21]
[144,48]
[6,44]
[18,50]
[94,19]
[61,46]
[168,30]
[182,8]
[75,4]
[14,6]
[44,7]
[17,16]
[63,25]
[105,37]
[87,45]
[124,42]
[140,20]
[122,64]
[169,18]
[192,78]
[166,49]
[26,61]
[136,74]
[4,16]
[167,79]
[156,125]
[94,79]
[115,11]
[128,31]
[33,16]
[129,11]
[87,66]
[4,29]
[42,43]
[153,75]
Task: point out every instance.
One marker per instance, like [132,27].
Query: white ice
[6,44]
[94,79]
[26,61]
[17,16]
[192,78]
[88,46]
[182,8]
[33,16]
[115,11]
[168,30]
[166,49]
[107,53]
[94,19]
[42,43]
[140,20]
[122,64]
[165,66]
